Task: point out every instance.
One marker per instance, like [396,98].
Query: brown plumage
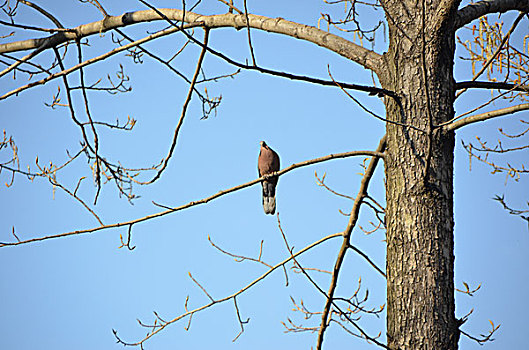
[267,163]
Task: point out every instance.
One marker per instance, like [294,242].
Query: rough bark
[419,168]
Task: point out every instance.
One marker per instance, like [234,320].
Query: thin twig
[241,322]
[363,255]
[249,36]
[168,65]
[240,258]
[369,111]
[92,126]
[129,235]
[230,5]
[54,182]
[43,12]
[327,296]
[203,289]
[321,182]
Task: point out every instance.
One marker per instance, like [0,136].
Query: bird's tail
[269,205]
[269,197]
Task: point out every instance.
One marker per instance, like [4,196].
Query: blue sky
[70,293]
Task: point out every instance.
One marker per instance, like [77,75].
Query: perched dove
[267,163]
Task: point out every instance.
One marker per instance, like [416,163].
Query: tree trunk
[419,175]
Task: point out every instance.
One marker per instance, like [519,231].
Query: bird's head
[262,143]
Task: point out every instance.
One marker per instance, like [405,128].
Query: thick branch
[201,201]
[341,46]
[484,116]
[474,11]
[491,85]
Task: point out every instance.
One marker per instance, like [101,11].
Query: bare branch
[476,10]
[39,48]
[54,182]
[184,110]
[248,31]
[201,201]
[329,298]
[64,72]
[40,29]
[364,255]
[484,116]
[200,286]
[515,135]
[484,337]
[341,46]
[517,212]
[491,85]
[370,89]
[218,301]
[498,50]
[43,12]
[508,169]
[129,235]
[213,103]
[393,95]
[321,183]
[241,322]
[91,123]
[353,217]
[241,258]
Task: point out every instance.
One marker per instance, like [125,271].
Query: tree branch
[364,255]
[327,297]
[484,116]
[184,108]
[218,301]
[170,210]
[64,71]
[42,11]
[372,90]
[339,45]
[496,52]
[491,85]
[38,49]
[353,217]
[474,11]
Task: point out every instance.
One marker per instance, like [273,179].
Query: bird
[267,163]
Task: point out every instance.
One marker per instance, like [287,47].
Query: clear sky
[70,293]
